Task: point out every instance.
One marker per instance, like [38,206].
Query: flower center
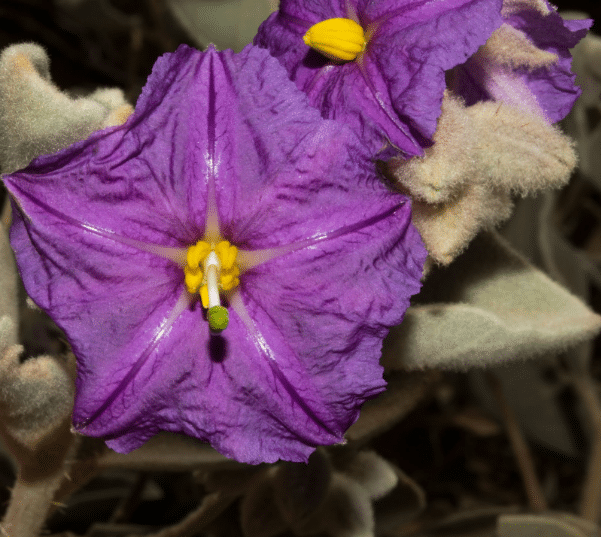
[338,39]
[210,269]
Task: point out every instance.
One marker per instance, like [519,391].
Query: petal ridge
[265,350]
[163,329]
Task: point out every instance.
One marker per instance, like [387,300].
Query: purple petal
[547,90]
[301,352]
[393,93]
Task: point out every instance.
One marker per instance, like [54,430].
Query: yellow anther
[338,39]
[193,279]
[227,254]
[197,253]
[204,296]
[229,281]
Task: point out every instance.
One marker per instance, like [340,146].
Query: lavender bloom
[391,93]
[526,62]
[223,183]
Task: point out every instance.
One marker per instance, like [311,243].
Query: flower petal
[133,182]
[547,90]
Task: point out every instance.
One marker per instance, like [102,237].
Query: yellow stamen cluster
[338,39]
[195,269]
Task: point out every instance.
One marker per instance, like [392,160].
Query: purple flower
[392,92]
[110,239]
[526,63]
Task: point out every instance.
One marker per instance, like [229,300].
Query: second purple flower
[391,92]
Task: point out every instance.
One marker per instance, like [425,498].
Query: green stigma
[218,318]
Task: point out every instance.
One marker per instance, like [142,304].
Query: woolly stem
[29,505]
[35,489]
